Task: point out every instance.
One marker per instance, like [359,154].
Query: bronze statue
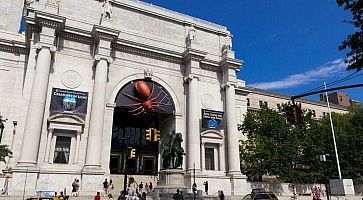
[173,151]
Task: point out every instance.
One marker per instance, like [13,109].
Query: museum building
[87,81]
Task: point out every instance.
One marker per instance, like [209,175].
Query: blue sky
[288,46]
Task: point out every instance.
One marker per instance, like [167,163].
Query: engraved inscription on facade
[71,79]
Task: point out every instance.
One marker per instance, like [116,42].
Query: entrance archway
[140,105]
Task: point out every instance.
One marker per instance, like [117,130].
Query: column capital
[40,45]
[106,58]
[190,77]
[228,84]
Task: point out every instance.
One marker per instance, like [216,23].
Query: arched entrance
[141,106]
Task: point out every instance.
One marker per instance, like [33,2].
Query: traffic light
[131,152]
[294,113]
[156,135]
[148,134]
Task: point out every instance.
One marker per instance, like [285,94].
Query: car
[260,195]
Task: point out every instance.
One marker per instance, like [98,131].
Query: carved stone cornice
[76,37]
[49,20]
[194,54]
[13,47]
[231,63]
[160,54]
[105,33]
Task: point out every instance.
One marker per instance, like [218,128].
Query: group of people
[107,188]
[61,196]
[75,187]
[317,193]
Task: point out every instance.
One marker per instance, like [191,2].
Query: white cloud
[324,71]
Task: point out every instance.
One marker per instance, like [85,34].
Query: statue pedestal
[169,181]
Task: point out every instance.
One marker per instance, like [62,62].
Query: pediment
[212,134]
[66,119]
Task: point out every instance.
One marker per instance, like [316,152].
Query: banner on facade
[68,101]
[211,119]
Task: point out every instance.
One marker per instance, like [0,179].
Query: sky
[288,47]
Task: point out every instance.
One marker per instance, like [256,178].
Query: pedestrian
[176,195]
[141,187]
[194,188]
[105,187]
[110,187]
[5,191]
[221,195]
[55,197]
[74,187]
[143,197]
[206,187]
[147,187]
[97,197]
[151,186]
[61,196]
[181,195]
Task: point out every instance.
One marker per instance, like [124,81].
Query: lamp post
[1,129]
[323,160]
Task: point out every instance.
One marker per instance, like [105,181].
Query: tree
[277,147]
[4,149]
[354,42]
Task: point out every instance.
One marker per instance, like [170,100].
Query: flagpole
[332,130]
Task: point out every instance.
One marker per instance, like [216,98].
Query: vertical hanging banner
[211,119]
[68,101]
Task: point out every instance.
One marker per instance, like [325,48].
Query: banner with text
[211,119]
[68,101]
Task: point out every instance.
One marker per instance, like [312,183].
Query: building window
[62,150]
[263,103]
[340,98]
[209,159]
[248,102]
[324,114]
[314,114]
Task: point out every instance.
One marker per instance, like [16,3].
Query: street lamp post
[323,160]
[1,129]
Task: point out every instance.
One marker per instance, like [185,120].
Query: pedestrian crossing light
[156,135]
[148,134]
[131,153]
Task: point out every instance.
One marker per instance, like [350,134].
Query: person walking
[110,187]
[151,186]
[206,187]
[221,195]
[97,197]
[176,195]
[105,187]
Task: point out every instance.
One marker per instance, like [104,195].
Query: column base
[92,169]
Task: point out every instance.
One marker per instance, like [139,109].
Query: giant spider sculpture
[145,100]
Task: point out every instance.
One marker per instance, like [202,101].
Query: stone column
[203,156]
[104,37]
[49,142]
[229,66]
[193,136]
[78,140]
[232,132]
[93,158]
[34,119]
[193,58]
[49,25]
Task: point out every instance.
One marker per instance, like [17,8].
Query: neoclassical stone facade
[87,53]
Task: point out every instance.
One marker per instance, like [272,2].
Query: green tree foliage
[277,147]
[349,139]
[354,42]
[4,149]
[274,146]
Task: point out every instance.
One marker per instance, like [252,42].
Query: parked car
[260,194]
